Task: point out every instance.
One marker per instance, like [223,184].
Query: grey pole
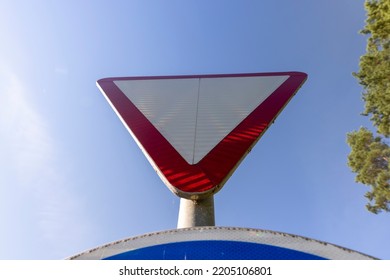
[196,213]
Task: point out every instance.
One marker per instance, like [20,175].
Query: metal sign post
[196,213]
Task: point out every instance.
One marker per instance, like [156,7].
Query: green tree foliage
[370,154]
[374,72]
[370,160]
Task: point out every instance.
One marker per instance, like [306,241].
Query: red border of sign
[208,175]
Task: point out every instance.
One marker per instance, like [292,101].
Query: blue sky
[72,178]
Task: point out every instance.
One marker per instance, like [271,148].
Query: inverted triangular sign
[195,130]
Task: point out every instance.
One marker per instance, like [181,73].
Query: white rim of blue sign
[257,236]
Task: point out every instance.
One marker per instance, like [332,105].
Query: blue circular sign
[220,243]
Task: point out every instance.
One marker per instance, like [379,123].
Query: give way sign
[195,130]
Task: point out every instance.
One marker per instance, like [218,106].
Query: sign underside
[195,130]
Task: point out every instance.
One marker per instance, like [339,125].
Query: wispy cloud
[61,70]
[31,155]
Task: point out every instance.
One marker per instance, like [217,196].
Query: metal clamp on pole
[196,213]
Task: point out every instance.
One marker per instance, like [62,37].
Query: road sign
[220,243]
[195,130]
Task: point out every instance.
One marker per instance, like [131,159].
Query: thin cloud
[31,153]
[61,70]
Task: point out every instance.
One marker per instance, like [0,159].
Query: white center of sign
[195,114]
